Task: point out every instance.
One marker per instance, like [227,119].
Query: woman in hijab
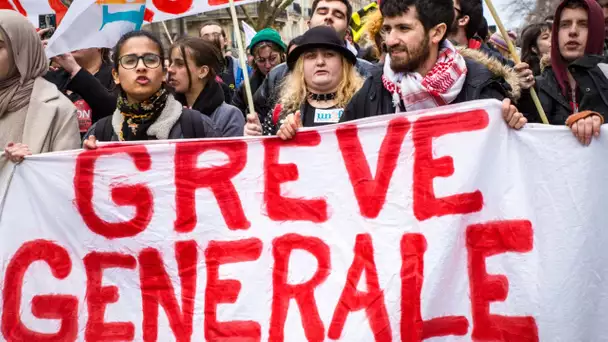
[34,116]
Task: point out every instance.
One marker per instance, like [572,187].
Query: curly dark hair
[430,13]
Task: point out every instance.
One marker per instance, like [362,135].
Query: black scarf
[256,81]
[209,99]
[138,117]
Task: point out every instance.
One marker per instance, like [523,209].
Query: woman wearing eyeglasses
[268,51]
[145,109]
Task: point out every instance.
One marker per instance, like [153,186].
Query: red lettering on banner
[188,178]
[227,290]
[354,300]
[426,168]
[98,297]
[283,208]
[157,289]
[485,240]
[303,293]
[413,328]
[5,4]
[138,196]
[61,307]
[172,6]
[371,191]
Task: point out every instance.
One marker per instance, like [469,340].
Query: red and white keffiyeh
[439,87]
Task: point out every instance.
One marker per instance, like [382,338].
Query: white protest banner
[96,23]
[442,224]
[161,10]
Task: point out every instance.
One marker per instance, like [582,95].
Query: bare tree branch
[262,13]
[277,10]
[249,19]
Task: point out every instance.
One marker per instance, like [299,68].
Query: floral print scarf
[138,117]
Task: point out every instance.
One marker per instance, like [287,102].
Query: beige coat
[50,125]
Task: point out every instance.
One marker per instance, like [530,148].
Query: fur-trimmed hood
[545,62]
[496,68]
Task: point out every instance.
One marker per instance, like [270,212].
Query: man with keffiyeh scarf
[424,70]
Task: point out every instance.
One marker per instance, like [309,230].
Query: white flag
[249,33]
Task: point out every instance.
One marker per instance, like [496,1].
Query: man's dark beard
[414,58]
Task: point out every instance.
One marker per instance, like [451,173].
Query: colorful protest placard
[441,224]
[156,10]
[96,24]
[100,23]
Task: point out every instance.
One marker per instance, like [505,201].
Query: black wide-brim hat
[320,37]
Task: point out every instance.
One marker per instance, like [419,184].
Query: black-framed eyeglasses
[151,61]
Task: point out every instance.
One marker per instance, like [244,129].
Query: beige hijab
[29,59]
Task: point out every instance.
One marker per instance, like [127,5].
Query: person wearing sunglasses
[268,51]
[145,109]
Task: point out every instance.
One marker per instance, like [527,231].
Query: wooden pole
[242,56]
[167,32]
[505,36]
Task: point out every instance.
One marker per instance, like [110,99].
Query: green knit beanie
[267,35]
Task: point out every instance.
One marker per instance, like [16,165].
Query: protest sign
[100,23]
[161,10]
[441,224]
[96,23]
[156,10]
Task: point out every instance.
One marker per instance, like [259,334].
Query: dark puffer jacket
[590,74]
[486,79]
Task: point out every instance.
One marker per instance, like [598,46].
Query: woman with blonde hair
[322,81]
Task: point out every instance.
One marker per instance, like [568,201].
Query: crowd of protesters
[441,51]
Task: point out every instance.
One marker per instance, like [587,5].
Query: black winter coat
[590,73]
[239,100]
[98,91]
[481,83]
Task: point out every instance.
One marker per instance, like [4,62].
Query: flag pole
[504,34]
[167,32]
[242,57]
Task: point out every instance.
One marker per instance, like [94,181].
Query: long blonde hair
[294,90]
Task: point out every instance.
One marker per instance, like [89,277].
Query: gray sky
[510,21]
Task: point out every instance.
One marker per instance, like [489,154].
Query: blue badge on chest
[328,115]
